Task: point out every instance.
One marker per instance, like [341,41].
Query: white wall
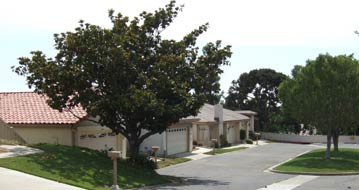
[305,139]
[153,140]
[53,135]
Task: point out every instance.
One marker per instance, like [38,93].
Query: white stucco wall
[53,135]
[153,140]
[306,138]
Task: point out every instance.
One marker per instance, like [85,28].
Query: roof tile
[31,108]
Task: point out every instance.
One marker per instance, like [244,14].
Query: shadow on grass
[81,167]
[346,160]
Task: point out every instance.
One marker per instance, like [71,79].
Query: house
[214,121]
[31,118]
[251,115]
[211,122]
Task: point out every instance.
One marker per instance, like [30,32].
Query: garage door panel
[176,140]
[98,141]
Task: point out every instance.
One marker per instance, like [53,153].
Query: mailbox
[114,154]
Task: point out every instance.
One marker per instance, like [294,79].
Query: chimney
[218,113]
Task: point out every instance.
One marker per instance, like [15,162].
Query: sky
[276,34]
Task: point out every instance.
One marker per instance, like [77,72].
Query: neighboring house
[36,122]
[214,121]
[210,123]
[251,115]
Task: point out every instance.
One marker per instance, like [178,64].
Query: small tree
[137,83]
[324,94]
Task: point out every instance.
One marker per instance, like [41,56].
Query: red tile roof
[31,108]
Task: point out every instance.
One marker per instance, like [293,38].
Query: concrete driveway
[245,170]
[14,180]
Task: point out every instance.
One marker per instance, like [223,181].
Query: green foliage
[242,134]
[324,94]
[127,75]
[142,161]
[223,141]
[224,150]
[249,141]
[171,161]
[256,91]
[252,136]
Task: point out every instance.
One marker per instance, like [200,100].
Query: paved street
[245,170]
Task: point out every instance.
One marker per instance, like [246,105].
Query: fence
[306,138]
[8,135]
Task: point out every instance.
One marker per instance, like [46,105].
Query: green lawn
[346,160]
[84,168]
[171,161]
[224,150]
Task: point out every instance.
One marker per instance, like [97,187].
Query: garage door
[231,135]
[98,141]
[177,140]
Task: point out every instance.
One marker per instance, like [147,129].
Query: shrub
[242,134]
[143,161]
[223,140]
[252,136]
[249,141]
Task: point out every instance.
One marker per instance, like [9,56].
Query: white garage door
[177,140]
[231,135]
[98,141]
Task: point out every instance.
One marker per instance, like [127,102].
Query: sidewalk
[14,180]
[16,150]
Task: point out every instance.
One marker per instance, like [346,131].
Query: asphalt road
[246,170]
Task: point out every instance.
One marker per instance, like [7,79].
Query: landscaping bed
[84,168]
[164,162]
[346,161]
[224,150]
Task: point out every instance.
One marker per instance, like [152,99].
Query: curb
[316,173]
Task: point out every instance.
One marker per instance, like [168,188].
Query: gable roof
[31,108]
[247,112]
[206,114]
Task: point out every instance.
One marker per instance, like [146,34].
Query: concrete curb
[317,173]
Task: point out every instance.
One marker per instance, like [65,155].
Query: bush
[249,141]
[143,161]
[242,134]
[223,140]
[252,136]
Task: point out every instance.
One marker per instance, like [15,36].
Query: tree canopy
[256,91]
[136,82]
[324,94]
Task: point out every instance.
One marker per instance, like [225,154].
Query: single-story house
[35,121]
[251,115]
[210,123]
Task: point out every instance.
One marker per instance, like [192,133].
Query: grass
[346,160]
[84,168]
[171,161]
[224,150]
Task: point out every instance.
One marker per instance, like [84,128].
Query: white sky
[275,34]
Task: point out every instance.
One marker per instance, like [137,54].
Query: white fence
[306,138]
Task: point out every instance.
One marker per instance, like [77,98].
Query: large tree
[134,81]
[256,91]
[324,94]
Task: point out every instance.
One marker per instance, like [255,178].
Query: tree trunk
[134,148]
[335,139]
[329,137]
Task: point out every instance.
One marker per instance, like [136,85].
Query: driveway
[245,170]
[14,180]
